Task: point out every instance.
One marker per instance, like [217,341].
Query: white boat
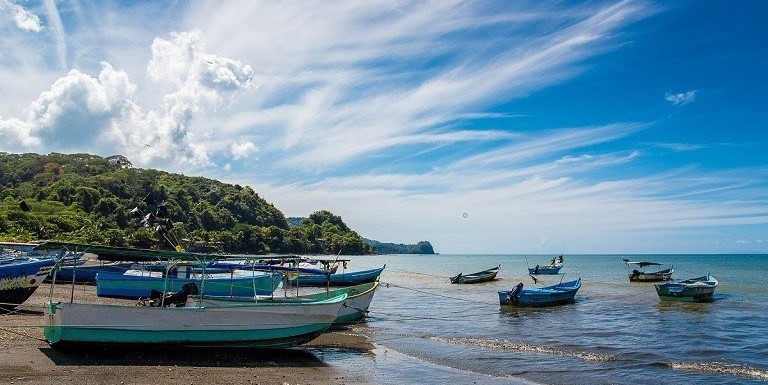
[232,323]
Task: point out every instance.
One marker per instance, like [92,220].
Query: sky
[483,127]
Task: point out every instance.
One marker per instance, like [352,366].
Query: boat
[177,319]
[552,268]
[20,275]
[699,289]
[252,324]
[135,284]
[640,275]
[355,306]
[481,276]
[338,279]
[561,293]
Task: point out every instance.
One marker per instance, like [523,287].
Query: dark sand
[25,357]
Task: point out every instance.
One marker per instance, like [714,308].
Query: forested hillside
[87,198]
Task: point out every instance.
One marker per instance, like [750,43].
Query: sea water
[617,332]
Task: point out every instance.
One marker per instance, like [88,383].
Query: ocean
[428,331]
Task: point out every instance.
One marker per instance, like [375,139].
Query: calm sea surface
[429,331]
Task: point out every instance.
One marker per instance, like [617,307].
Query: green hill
[423,247]
[87,198]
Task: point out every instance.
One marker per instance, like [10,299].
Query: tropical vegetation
[90,199]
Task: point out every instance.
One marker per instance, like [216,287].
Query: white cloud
[242,150]
[82,113]
[681,98]
[23,18]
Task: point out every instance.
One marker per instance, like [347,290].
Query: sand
[26,358]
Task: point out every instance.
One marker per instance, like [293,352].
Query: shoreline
[29,359]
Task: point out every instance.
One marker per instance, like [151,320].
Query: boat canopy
[642,264]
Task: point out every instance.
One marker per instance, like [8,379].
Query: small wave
[504,345]
[721,368]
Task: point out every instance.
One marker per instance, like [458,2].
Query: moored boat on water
[561,293]
[552,268]
[640,275]
[699,289]
[481,276]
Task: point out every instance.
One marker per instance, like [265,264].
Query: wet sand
[26,358]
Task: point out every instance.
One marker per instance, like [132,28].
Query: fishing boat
[226,323]
[481,276]
[639,274]
[699,289]
[338,279]
[540,296]
[135,284]
[552,268]
[20,275]
[174,319]
[355,306]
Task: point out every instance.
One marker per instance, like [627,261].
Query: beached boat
[639,274]
[227,323]
[86,274]
[481,276]
[135,284]
[699,289]
[355,306]
[168,319]
[20,276]
[552,268]
[540,296]
[338,279]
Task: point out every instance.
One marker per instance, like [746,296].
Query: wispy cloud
[681,98]
[58,28]
[678,147]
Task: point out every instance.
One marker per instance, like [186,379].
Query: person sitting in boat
[560,259]
[552,262]
[536,269]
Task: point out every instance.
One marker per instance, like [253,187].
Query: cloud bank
[99,114]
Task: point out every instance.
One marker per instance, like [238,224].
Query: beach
[28,359]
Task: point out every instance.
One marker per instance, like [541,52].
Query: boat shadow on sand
[180,356]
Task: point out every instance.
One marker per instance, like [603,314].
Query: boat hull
[699,289]
[545,270]
[134,287]
[20,279]
[658,276]
[339,279]
[87,274]
[479,277]
[563,293]
[252,324]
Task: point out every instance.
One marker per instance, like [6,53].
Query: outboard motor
[512,296]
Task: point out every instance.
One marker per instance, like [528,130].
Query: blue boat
[87,274]
[540,296]
[338,279]
[553,268]
[129,286]
[20,276]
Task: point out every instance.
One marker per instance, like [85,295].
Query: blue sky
[483,127]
